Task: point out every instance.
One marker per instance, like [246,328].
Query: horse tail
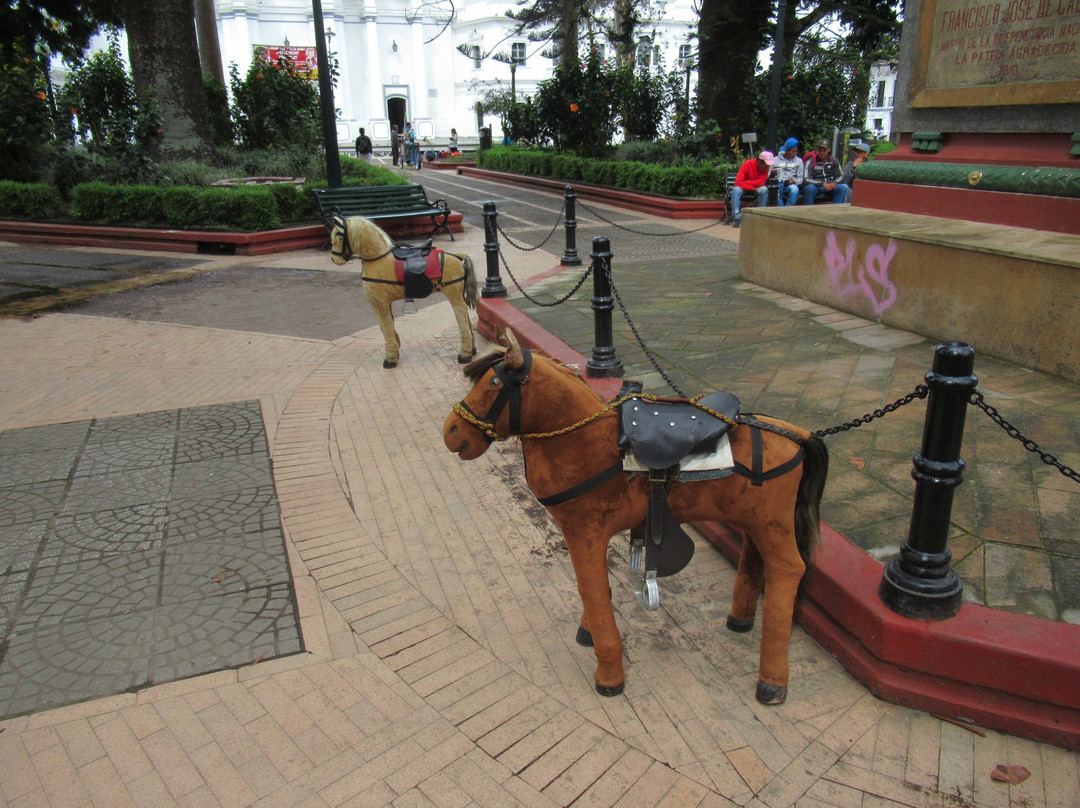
[808,501]
[470,281]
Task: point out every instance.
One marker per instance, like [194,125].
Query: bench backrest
[372,199]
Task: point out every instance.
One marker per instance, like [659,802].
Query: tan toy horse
[357,237]
[575,468]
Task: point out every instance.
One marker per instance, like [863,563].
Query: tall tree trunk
[165,66]
[568,23]
[730,34]
[209,48]
[622,35]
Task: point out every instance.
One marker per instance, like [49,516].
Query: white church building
[399,60]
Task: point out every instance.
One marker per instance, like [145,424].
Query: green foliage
[244,208]
[102,109]
[217,112]
[58,26]
[702,180]
[815,97]
[360,172]
[24,114]
[275,107]
[576,108]
[29,200]
[644,100]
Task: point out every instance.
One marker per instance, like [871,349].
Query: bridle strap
[509,393]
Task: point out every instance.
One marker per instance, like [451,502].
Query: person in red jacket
[753,176]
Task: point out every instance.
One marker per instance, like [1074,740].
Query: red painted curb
[1003,671]
[210,242]
[668,207]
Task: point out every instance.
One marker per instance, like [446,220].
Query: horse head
[340,248]
[495,409]
[497,380]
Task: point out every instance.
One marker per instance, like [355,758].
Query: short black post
[773,185]
[603,364]
[920,583]
[570,257]
[493,284]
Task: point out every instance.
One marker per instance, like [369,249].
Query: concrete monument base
[1010,292]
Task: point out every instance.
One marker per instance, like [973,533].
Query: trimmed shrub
[245,208]
[29,200]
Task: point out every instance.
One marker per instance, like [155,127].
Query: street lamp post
[326,100]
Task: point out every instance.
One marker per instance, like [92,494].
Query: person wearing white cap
[789,172]
[862,153]
[753,177]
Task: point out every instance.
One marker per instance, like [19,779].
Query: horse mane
[482,364]
[358,226]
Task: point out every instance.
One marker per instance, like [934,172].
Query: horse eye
[496,381]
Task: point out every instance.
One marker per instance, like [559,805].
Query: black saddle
[414,260]
[660,434]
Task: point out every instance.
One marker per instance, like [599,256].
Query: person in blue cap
[790,172]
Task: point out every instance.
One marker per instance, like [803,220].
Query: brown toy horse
[357,237]
[568,435]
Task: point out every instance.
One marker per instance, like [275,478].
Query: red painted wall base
[1058,214]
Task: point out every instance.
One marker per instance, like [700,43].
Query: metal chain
[517,246]
[977,399]
[532,299]
[603,218]
[637,336]
[920,391]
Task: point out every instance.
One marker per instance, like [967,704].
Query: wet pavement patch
[138,550]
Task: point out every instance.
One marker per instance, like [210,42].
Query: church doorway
[395,111]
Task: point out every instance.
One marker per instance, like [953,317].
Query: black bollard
[920,583]
[493,284]
[603,364]
[570,256]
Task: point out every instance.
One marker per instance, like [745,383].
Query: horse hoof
[462,359]
[386,363]
[584,637]
[739,626]
[770,694]
[604,690]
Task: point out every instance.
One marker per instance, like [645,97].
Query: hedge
[29,200]
[702,181]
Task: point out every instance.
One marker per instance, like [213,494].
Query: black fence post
[570,256]
[920,583]
[603,364]
[493,285]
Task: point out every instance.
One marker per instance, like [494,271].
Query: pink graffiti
[870,279]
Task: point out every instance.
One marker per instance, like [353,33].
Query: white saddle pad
[719,460]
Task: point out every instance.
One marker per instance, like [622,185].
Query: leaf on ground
[217,579]
[1010,774]
[857,462]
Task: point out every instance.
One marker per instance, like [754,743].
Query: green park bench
[378,202]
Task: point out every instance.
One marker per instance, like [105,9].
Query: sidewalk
[437,609]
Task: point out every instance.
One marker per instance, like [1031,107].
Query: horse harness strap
[756,473]
[584,487]
[509,393]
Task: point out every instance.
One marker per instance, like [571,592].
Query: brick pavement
[438,608]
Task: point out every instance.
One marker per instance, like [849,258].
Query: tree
[557,20]
[165,63]
[732,32]
[275,107]
[63,27]
[730,35]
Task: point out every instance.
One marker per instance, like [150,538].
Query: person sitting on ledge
[753,176]
[789,172]
[861,155]
[823,176]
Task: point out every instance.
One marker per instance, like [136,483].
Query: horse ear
[337,221]
[513,358]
